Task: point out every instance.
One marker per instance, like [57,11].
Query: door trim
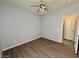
[61,32]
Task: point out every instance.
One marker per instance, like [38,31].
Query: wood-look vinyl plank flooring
[40,48]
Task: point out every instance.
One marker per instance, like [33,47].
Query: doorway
[69,29]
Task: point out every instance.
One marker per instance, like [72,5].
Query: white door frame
[61,32]
[76,35]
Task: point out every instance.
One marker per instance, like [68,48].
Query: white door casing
[76,32]
[76,35]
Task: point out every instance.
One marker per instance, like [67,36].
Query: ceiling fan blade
[34,6]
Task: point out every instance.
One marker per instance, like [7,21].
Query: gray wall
[17,26]
[52,22]
[0,34]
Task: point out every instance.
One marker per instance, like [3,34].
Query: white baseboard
[21,43]
[32,40]
[51,39]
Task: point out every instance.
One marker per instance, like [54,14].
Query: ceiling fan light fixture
[42,6]
[41,9]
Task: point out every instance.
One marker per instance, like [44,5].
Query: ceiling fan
[42,6]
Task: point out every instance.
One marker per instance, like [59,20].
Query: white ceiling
[52,4]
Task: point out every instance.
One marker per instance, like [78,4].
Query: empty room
[39,28]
